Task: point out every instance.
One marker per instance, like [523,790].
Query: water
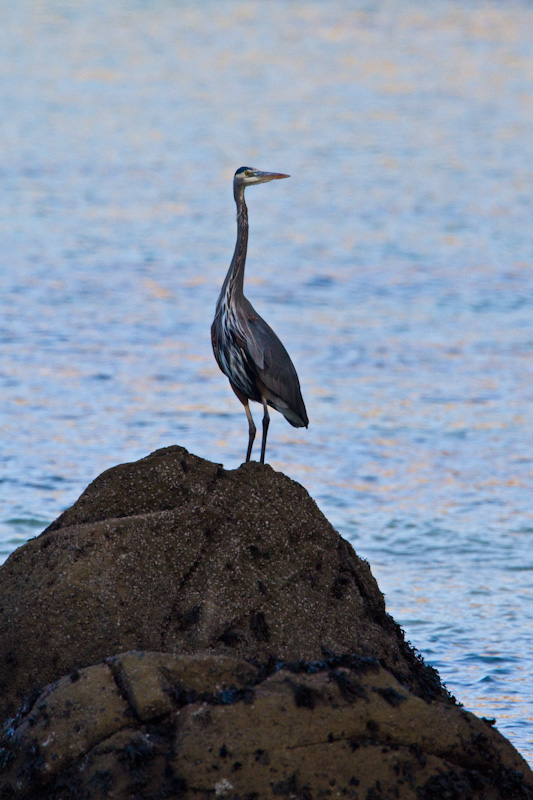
[396,265]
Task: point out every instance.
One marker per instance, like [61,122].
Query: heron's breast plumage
[229,344]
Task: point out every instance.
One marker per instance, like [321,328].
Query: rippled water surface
[396,265]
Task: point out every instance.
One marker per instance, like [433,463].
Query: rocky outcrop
[172,553]
[152,725]
[257,658]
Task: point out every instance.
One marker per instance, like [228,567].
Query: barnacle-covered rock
[172,553]
[152,725]
[256,658]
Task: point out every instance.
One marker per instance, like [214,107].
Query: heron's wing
[273,365]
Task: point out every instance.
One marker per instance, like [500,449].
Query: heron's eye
[247,173]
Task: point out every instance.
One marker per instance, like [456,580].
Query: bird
[246,348]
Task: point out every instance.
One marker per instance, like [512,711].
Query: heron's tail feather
[298,419]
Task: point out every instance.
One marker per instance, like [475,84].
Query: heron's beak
[271,176]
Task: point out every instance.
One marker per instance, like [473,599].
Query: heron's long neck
[232,288]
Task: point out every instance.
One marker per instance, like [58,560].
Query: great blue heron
[246,349]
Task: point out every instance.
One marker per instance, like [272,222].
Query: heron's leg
[266,422]
[251,431]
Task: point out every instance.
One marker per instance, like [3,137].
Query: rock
[150,725]
[257,658]
[174,554]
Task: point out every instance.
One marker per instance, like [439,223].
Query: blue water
[396,265]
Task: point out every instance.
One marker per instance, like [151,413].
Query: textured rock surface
[172,553]
[274,672]
[152,725]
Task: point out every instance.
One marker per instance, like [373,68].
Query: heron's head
[247,176]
